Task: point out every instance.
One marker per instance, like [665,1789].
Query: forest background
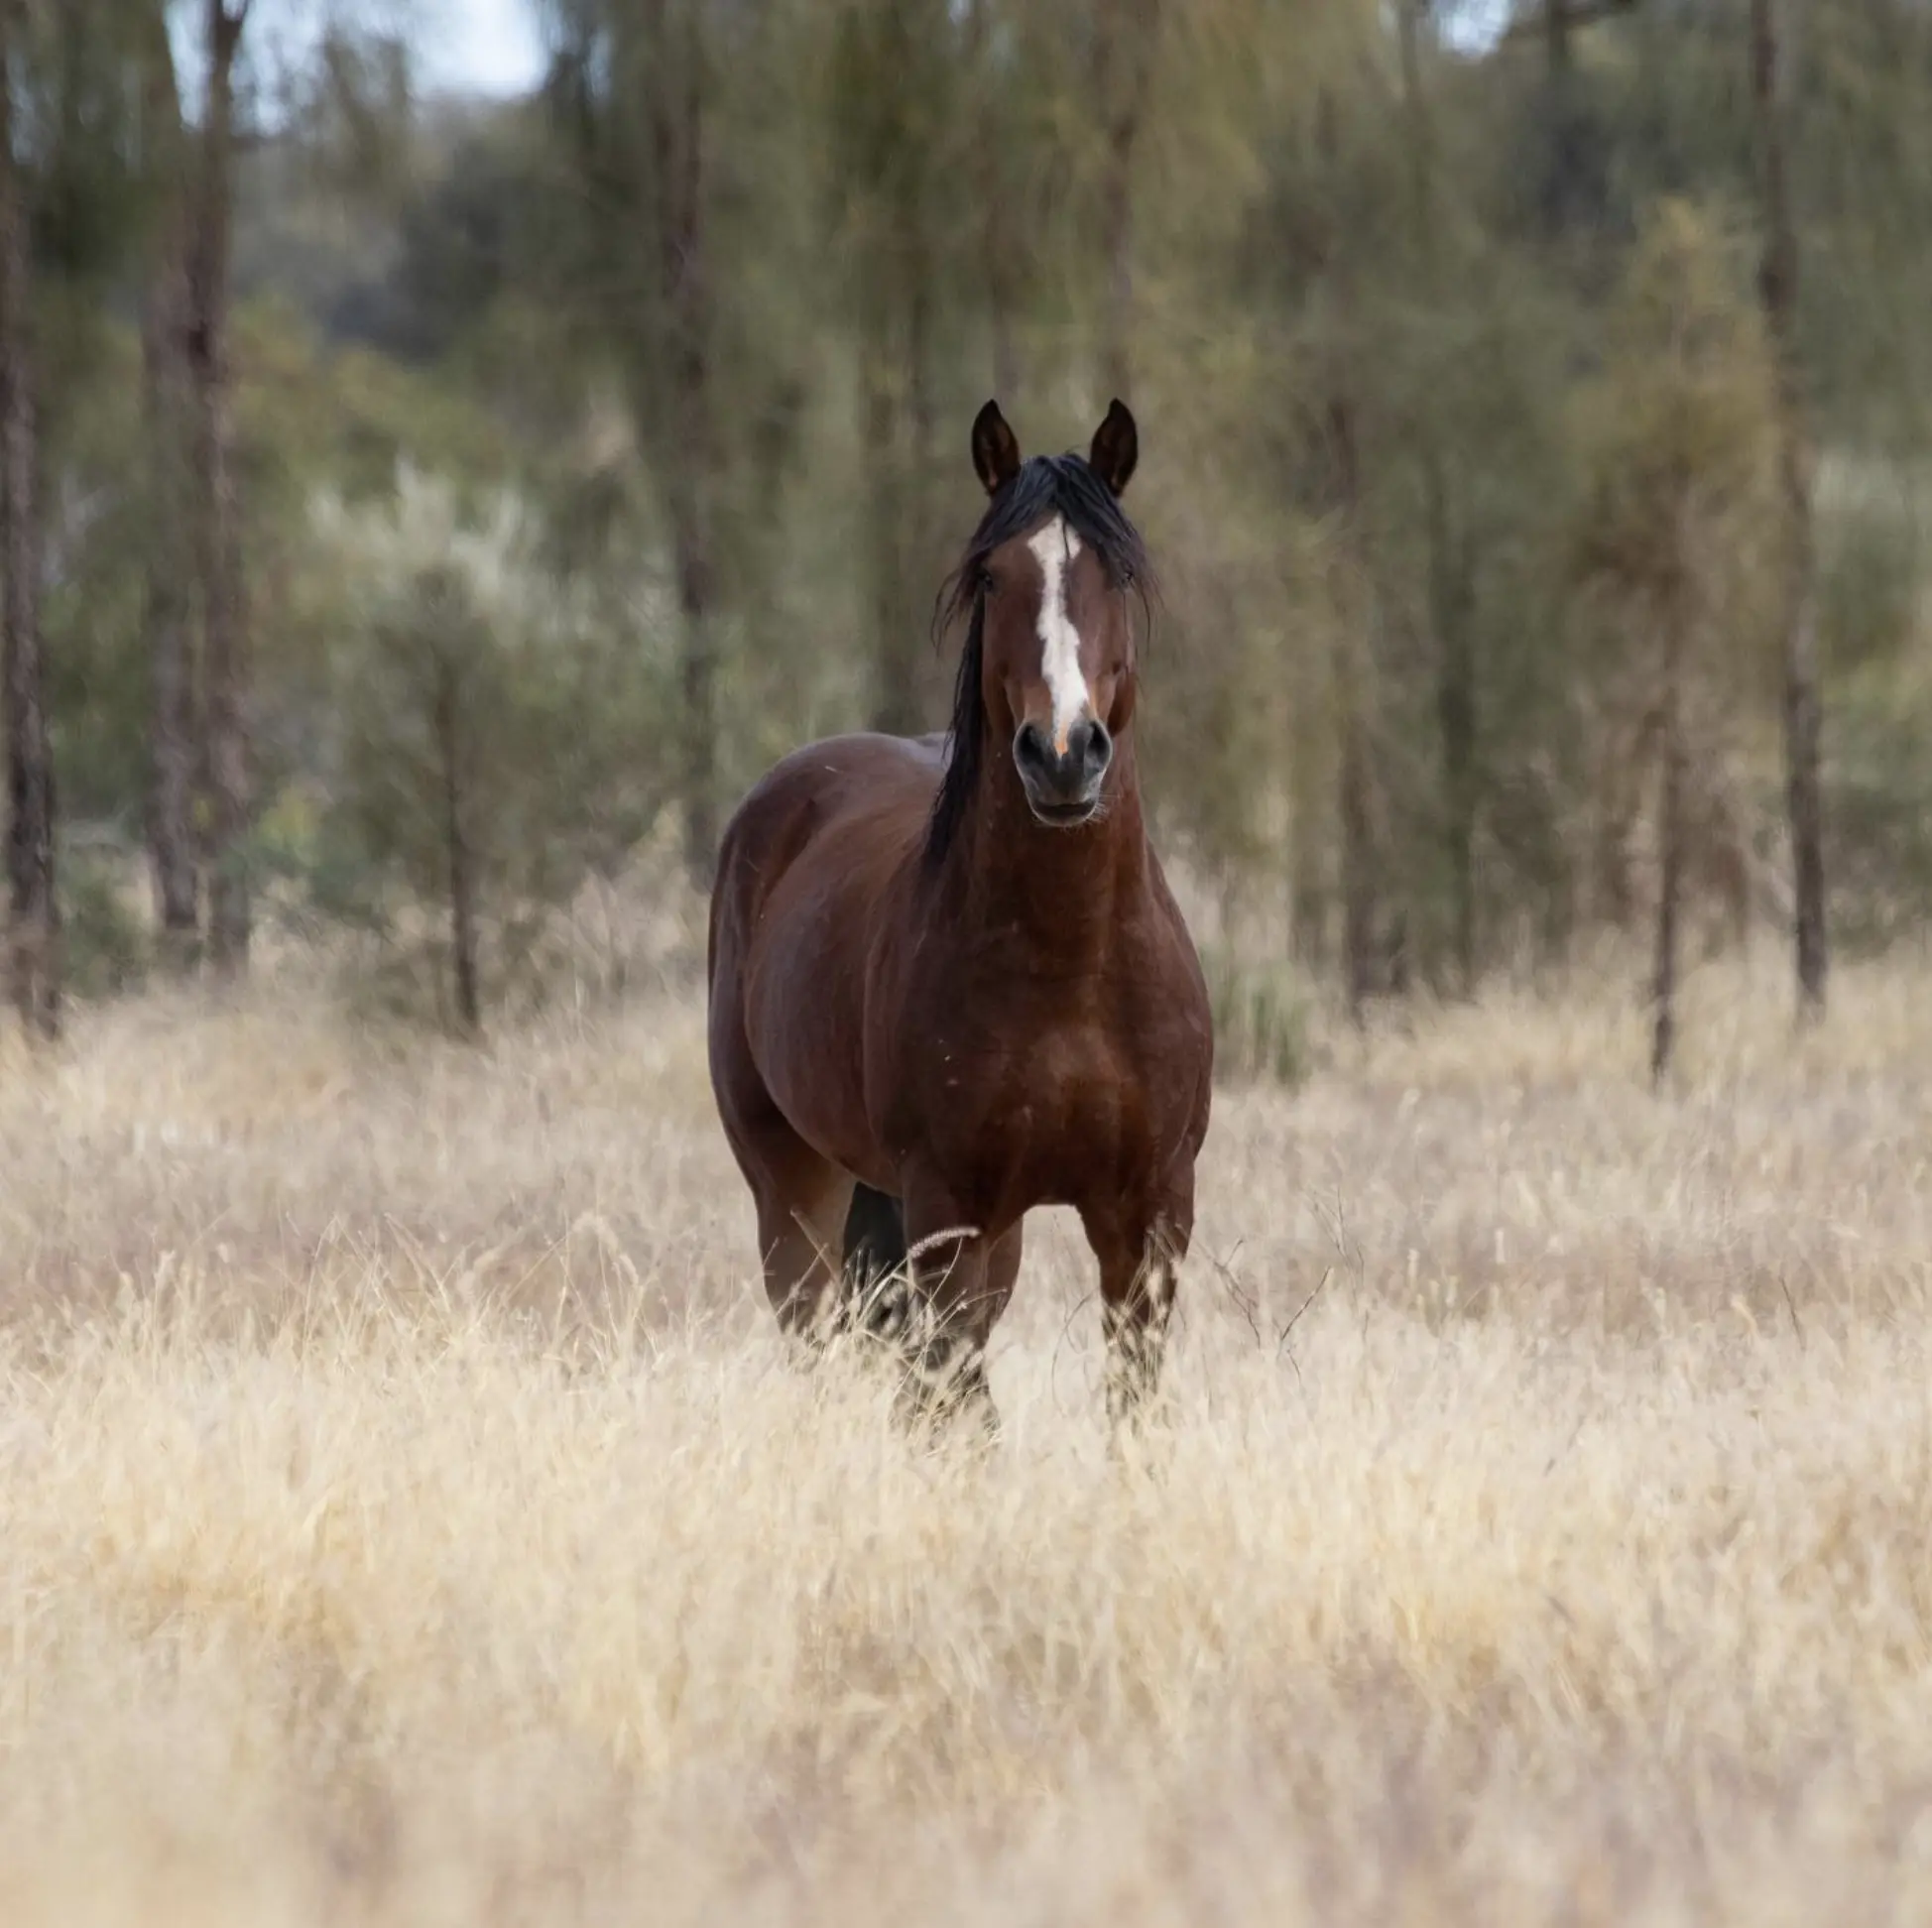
[423,512]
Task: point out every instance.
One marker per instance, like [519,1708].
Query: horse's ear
[1116,447]
[995,450]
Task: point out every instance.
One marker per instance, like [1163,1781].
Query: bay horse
[947,980]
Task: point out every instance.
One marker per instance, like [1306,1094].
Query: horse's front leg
[1140,1252]
[960,1278]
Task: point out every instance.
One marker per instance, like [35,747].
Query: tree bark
[1353,772]
[167,419]
[1556,39]
[1127,31]
[894,697]
[462,868]
[1355,615]
[1002,308]
[217,545]
[1448,566]
[675,115]
[1000,239]
[1779,287]
[698,682]
[1573,184]
[1670,850]
[899,421]
[35,923]
[1357,860]
[901,429]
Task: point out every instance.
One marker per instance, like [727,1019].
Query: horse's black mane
[1043,487]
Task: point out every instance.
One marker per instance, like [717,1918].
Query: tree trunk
[1125,55]
[1560,109]
[1353,777]
[691,485]
[675,110]
[699,685]
[167,419]
[35,929]
[1308,909]
[218,543]
[462,867]
[999,233]
[691,540]
[1778,284]
[1005,342]
[895,697]
[1357,853]
[1448,567]
[1556,40]
[1670,850]
[1355,614]
[1456,713]
[900,430]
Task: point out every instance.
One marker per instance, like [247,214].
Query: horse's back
[863,771]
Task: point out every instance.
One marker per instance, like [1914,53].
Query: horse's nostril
[1029,747]
[1098,751]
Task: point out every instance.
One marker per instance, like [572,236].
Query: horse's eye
[984,583]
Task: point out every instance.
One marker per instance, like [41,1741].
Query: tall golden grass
[407,1515]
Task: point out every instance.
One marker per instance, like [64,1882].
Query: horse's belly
[804,1013]
[801,1020]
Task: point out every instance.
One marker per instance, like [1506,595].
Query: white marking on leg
[1054,548]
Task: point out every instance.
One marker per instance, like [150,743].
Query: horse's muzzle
[1063,786]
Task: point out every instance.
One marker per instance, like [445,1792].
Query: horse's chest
[1047,1120]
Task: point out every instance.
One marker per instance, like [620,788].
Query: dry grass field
[408,1515]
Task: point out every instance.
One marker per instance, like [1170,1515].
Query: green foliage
[1681,514]
[1872,560]
[1263,1015]
[1676,434]
[1878,814]
[1539,284]
[475,697]
[107,949]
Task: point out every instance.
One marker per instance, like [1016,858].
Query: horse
[947,980]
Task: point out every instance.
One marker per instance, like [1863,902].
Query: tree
[35,929]
[487,754]
[217,511]
[1359,612]
[1779,289]
[1676,436]
[1125,47]
[1449,595]
[168,395]
[894,145]
[1572,163]
[637,90]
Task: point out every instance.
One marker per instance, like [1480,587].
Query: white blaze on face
[1054,548]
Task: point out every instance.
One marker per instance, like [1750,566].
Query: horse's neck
[1067,890]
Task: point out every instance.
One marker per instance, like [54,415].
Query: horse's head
[1050,666]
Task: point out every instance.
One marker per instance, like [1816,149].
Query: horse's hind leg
[875,1259]
[801,1197]
[801,1201]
